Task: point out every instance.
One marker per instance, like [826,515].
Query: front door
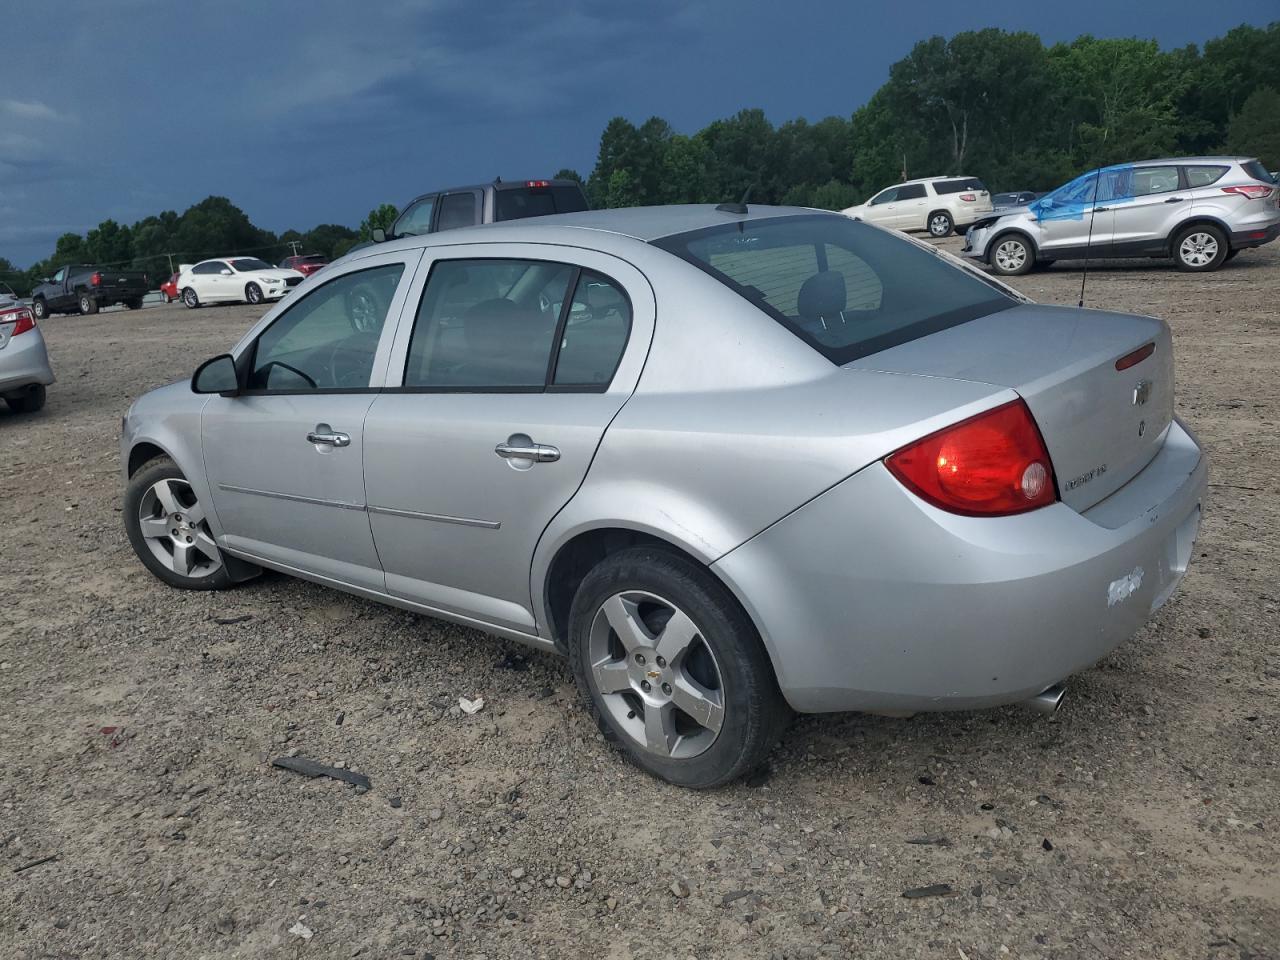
[912,211]
[511,373]
[1075,218]
[285,457]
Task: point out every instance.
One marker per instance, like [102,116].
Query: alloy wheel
[176,530]
[940,226]
[656,675]
[189,297]
[1198,249]
[1010,255]
[254,293]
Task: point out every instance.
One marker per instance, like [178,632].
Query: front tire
[1012,255]
[190,299]
[672,669]
[253,293]
[30,400]
[39,308]
[169,531]
[940,224]
[88,305]
[1200,249]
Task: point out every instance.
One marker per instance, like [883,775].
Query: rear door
[1153,201]
[500,390]
[285,457]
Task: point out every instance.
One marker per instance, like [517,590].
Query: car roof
[1168,160]
[499,185]
[958,176]
[638,223]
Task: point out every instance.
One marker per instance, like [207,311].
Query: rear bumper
[24,361]
[1243,239]
[870,599]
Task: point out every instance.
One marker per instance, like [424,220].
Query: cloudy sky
[314,111]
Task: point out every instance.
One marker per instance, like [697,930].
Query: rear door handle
[1174,200]
[519,446]
[327,436]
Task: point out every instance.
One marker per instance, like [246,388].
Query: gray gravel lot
[139,723]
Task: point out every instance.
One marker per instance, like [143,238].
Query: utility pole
[170,256]
[294,245]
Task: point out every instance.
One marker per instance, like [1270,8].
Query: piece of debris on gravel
[309,768]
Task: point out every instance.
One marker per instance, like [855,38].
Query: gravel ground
[1142,821]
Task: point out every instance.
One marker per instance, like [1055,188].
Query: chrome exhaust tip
[1048,700]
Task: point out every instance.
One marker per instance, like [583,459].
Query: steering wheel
[347,368]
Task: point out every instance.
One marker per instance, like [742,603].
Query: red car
[305,263]
[169,289]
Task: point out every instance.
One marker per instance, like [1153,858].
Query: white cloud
[30,110]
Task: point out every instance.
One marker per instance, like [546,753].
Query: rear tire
[715,664]
[133,304]
[167,529]
[1200,249]
[39,308]
[88,305]
[940,224]
[31,400]
[190,299]
[1012,255]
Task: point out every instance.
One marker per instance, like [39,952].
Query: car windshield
[846,288]
[249,264]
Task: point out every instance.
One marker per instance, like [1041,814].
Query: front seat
[823,298]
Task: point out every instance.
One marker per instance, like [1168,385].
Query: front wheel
[941,224]
[169,531]
[1012,255]
[672,669]
[1200,249]
[190,299]
[88,305]
[253,293]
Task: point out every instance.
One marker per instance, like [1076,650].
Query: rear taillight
[96,280]
[1253,192]
[537,183]
[1135,358]
[26,320]
[991,465]
[968,196]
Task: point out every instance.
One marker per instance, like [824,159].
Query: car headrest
[823,295]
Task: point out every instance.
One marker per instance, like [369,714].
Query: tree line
[993,104]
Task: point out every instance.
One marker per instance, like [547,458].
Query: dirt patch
[1141,821]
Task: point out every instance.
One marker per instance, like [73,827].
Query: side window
[213,266]
[911,191]
[58,277]
[415,221]
[457,210]
[1149,180]
[595,332]
[487,325]
[327,340]
[885,196]
[1203,176]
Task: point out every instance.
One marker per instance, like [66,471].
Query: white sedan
[235,279]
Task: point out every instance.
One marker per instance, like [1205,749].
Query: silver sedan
[731,462]
[24,360]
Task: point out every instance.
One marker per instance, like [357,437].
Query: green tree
[1255,130]
[383,215]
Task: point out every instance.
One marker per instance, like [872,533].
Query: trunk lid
[1101,425]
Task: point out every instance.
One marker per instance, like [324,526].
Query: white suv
[936,204]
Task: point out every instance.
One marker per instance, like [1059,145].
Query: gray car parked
[24,360]
[1201,211]
[732,463]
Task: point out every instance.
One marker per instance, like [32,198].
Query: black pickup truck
[83,288]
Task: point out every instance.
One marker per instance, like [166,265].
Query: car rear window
[846,288]
[519,202]
[1256,170]
[956,186]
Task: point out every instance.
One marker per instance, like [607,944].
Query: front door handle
[1101,209]
[1174,200]
[326,435]
[519,446]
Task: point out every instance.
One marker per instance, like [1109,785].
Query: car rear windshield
[955,186]
[520,202]
[1256,170]
[846,288]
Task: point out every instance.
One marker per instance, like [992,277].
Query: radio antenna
[1093,212]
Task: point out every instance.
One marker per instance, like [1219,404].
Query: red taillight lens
[968,196]
[26,320]
[1135,358]
[537,183]
[1258,192]
[991,465]
[96,280]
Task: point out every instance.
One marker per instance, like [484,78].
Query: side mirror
[378,234]
[217,376]
[225,272]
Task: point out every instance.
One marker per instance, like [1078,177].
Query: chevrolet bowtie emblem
[1141,392]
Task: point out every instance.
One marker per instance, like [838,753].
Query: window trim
[247,360]
[1222,168]
[553,361]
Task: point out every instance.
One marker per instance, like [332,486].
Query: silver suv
[1201,211]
